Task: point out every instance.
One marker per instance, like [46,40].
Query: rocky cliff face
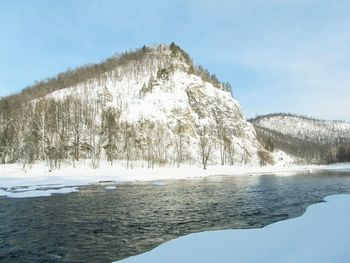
[154,107]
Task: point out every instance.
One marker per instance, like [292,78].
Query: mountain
[308,139]
[150,107]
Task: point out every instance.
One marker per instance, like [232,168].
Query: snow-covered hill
[308,140]
[312,130]
[156,107]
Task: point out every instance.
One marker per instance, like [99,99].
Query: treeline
[73,129]
[199,70]
[282,114]
[342,155]
[73,77]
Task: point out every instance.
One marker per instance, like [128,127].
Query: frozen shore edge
[16,182]
[321,234]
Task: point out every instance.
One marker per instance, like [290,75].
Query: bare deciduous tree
[206,145]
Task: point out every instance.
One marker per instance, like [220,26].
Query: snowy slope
[142,95]
[304,128]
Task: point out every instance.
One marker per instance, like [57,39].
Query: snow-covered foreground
[322,234]
[16,182]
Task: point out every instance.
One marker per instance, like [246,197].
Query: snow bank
[320,235]
[37,181]
[37,193]
[111,187]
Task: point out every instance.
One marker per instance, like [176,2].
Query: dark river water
[99,225]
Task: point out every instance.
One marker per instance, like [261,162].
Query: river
[100,225]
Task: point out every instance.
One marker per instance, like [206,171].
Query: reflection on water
[102,225]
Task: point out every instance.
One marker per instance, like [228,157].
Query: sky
[279,55]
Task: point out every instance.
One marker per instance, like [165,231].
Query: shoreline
[320,234]
[16,182]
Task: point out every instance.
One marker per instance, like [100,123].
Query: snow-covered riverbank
[321,234]
[37,181]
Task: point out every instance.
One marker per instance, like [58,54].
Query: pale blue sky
[280,56]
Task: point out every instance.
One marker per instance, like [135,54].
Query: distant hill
[312,140]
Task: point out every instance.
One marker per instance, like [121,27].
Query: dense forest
[73,129]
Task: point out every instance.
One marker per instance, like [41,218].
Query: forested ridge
[73,77]
[310,139]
